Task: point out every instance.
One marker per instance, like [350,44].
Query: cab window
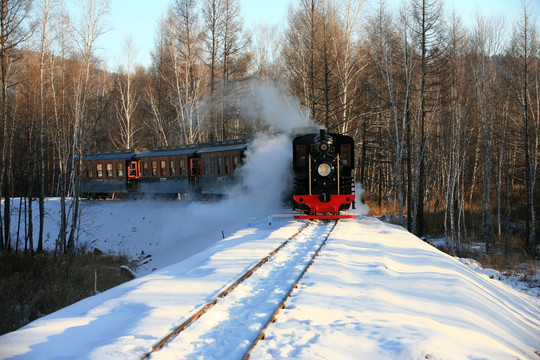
[346,154]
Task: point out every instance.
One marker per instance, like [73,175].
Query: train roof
[240,146]
[109,155]
[167,152]
[227,145]
[175,150]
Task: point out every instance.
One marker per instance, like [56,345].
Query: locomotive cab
[323,175]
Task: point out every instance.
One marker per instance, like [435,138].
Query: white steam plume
[266,175]
[272,103]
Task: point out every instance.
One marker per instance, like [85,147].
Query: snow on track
[227,330]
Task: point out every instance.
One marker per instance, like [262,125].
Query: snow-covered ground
[375,292]
[378,292]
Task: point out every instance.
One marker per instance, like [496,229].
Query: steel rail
[211,303]
[281,305]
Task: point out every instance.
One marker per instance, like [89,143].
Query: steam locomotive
[323,167]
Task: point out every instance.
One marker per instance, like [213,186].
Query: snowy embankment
[376,291]
[379,292]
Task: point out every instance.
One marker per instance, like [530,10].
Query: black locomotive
[323,165]
[197,170]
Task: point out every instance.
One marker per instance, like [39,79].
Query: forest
[445,116]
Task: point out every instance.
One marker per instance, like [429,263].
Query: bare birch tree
[266,46]
[154,96]
[213,18]
[386,52]
[57,84]
[303,32]
[186,62]
[524,51]
[487,41]
[350,64]
[428,26]
[456,134]
[234,60]
[92,26]
[48,12]
[13,31]
[128,101]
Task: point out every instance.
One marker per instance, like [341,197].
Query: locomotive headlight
[324,169]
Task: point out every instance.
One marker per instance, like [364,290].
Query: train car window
[163,167]
[346,154]
[236,160]
[120,169]
[220,165]
[212,170]
[301,155]
[90,171]
[145,169]
[172,164]
[206,166]
[195,167]
[182,169]
[99,170]
[109,170]
[154,168]
[227,165]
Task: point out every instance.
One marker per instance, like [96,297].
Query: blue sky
[140,18]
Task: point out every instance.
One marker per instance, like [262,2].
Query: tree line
[445,116]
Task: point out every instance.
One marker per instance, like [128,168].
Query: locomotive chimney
[324,135]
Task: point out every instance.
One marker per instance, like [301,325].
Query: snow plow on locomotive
[323,167]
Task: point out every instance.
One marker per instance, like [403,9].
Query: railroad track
[243,311]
